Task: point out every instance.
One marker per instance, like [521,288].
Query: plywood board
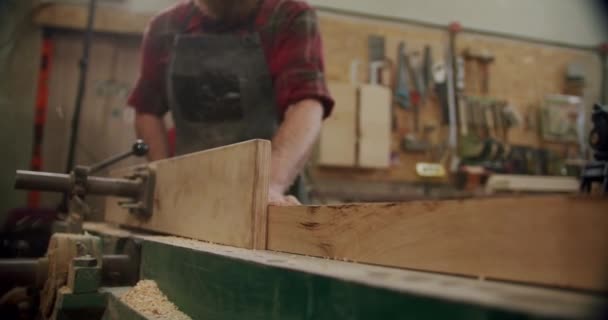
[374,126]
[219,195]
[551,240]
[337,146]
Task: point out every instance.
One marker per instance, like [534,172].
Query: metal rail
[57,182]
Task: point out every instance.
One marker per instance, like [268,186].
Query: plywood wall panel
[524,73]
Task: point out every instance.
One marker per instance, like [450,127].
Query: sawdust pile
[147,299]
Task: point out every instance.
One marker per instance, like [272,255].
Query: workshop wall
[524,72]
[565,21]
[19,64]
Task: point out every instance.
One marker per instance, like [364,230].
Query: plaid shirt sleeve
[149,94]
[297,61]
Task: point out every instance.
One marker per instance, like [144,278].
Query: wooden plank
[107,18]
[521,183]
[551,240]
[209,281]
[374,126]
[218,195]
[338,141]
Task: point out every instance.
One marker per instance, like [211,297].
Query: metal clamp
[143,204]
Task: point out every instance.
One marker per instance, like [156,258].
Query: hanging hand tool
[470,146]
[483,59]
[376,53]
[604,57]
[491,144]
[416,92]
[454,29]
[416,69]
[441,89]
[597,171]
[428,69]
[402,93]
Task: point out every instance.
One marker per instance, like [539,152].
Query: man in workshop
[231,71]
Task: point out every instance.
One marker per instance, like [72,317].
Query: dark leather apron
[220,90]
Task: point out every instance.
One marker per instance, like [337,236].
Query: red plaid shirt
[290,39]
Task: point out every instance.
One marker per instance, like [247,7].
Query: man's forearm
[151,129]
[293,142]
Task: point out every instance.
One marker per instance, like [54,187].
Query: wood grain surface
[219,195]
[550,240]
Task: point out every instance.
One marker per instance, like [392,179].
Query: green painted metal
[86,279]
[208,286]
[79,306]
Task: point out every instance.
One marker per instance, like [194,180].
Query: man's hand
[277,198]
[291,147]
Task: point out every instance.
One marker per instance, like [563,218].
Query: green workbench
[208,281]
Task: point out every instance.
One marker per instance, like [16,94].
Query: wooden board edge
[256,213]
[279,243]
[263,151]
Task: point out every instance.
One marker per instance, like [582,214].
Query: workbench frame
[209,281]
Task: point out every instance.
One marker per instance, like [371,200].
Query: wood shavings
[147,299]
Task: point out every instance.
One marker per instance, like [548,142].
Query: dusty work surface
[539,301]
[147,299]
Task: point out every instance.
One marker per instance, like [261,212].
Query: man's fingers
[291,200]
[284,201]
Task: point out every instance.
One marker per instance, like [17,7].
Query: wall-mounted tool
[597,171]
[416,94]
[483,59]
[416,69]
[427,71]
[402,85]
[494,147]
[441,89]
[138,187]
[452,58]
[470,146]
[376,53]
[412,143]
[604,56]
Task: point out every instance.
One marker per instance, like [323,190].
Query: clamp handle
[139,149]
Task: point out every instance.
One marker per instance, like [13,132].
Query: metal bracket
[143,205]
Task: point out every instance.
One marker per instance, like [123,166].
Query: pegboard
[523,73]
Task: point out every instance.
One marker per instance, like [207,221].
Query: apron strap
[191,12]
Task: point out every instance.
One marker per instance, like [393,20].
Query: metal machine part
[70,276]
[138,187]
[58,182]
[117,269]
